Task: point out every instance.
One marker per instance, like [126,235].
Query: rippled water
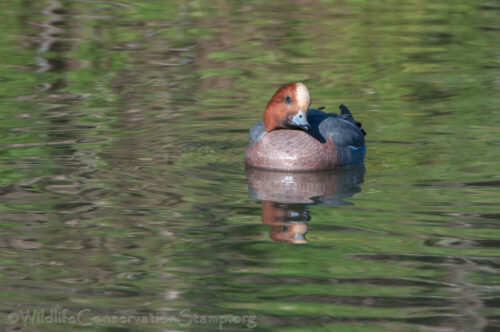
[125,205]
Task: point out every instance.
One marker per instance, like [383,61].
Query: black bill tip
[306,127]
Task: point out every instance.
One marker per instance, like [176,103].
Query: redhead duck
[292,136]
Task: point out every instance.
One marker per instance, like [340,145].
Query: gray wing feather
[342,132]
[257,131]
[348,138]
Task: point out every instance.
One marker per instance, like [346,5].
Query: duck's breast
[291,150]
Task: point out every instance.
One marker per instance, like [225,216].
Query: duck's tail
[345,111]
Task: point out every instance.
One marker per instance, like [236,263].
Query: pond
[125,204]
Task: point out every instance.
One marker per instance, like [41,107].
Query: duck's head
[287,108]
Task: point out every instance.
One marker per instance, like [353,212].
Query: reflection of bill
[288,221]
[286,196]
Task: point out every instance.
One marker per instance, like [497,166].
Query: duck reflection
[287,195]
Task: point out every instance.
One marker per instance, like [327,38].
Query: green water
[125,205]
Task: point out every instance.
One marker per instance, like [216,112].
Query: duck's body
[321,141]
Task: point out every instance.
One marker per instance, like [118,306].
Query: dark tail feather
[345,111]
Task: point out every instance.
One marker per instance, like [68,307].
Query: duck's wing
[257,131]
[347,115]
[345,132]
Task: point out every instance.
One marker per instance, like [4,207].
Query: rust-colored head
[288,108]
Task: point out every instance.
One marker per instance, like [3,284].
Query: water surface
[123,192]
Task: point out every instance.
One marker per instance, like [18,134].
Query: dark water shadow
[286,197]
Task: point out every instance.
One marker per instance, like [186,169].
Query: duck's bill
[300,120]
[305,127]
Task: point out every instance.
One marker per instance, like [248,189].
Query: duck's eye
[288,99]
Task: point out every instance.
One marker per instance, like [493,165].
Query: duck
[294,137]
